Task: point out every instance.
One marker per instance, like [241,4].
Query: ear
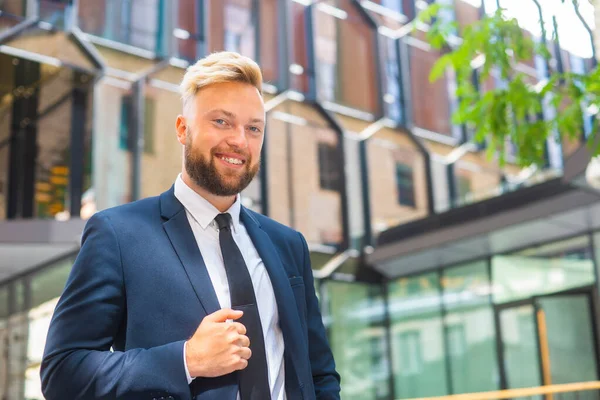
[181,127]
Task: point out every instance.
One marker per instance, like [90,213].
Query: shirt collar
[201,210]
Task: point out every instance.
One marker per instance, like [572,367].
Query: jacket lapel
[183,241]
[289,320]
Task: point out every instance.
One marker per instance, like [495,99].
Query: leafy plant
[495,46]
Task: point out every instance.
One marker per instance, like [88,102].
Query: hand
[218,347]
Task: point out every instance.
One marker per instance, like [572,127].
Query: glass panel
[570,338]
[23,333]
[299,58]
[304,173]
[4,377]
[391,72]
[4,301]
[470,329]
[546,269]
[231,26]
[396,180]
[345,49]
[430,101]
[132,22]
[54,135]
[188,44]
[270,40]
[392,14]
[49,283]
[418,355]
[519,339]
[13,9]
[355,323]
[55,11]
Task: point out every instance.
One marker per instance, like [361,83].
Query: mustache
[245,154]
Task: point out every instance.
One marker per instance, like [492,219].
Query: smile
[231,160]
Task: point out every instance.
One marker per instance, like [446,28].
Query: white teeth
[231,160]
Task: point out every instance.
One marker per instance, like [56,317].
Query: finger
[243,341]
[245,353]
[241,364]
[240,328]
[224,314]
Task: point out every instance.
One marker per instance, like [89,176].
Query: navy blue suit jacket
[140,286]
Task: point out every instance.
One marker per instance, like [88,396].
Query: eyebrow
[231,115]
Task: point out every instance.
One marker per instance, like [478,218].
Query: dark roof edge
[475,211]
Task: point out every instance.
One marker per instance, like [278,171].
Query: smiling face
[222,132]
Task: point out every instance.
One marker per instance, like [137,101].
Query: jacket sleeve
[325,377]
[78,362]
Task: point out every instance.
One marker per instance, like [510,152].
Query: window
[411,359]
[345,42]
[134,22]
[463,187]
[405,184]
[329,170]
[395,5]
[392,82]
[126,136]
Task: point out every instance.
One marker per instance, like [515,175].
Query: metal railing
[575,391]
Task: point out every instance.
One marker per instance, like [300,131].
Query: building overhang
[26,245]
[559,208]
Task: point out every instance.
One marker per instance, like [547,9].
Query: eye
[255,129]
[220,121]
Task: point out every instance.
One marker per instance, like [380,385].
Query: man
[199,297]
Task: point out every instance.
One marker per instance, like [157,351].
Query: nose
[238,138]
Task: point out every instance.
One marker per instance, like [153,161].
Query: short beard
[204,173]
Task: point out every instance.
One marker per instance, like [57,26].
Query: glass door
[549,340]
[566,338]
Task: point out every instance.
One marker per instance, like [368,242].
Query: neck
[221,203]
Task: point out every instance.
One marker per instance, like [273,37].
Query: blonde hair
[220,67]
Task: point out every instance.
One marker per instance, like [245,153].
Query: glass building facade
[358,141]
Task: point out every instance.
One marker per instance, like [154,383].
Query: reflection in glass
[519,343]
[298,68]
[23,329]
[430,101]
[391,71]
[304,173]
[133,22]
[469,322]
[345,49]
[540,270]
[569,335]
[354,318]
[231,27]
[55,12]
[418,355]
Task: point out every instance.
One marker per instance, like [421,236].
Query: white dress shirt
[201,215]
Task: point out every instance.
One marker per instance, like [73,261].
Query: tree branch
[587,28]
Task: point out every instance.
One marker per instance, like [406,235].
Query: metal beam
[16,30]
[77,148]
[87,49]
[136,126]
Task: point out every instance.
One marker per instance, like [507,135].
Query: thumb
[225,314]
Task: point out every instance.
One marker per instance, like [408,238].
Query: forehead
[236,97]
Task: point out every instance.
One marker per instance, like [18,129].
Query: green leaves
[512,111]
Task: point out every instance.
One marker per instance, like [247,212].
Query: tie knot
[223,220]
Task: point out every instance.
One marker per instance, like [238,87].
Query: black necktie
[253,380]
